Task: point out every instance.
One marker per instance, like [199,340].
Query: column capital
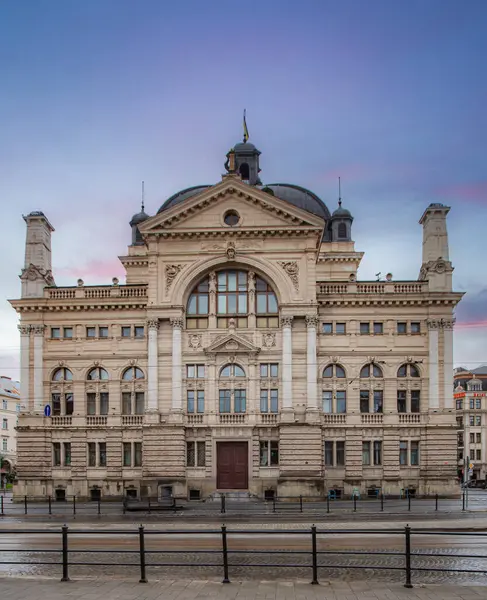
[24,329]
[153,324]
[287,321]
[440,323]
[38,329]
[176,322]
[312,321]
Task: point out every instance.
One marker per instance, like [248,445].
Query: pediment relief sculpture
[232,343]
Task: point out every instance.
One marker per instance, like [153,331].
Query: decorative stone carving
[176,322]
[448,323]
[434,266]
[24,329]
[34,273]
[194,341]
[231,251]
[132,362]
[231,345]
[61,363]
[311,321]
[232,324]
[171,273]
[292,270]
[334,359]
[38,329]
[212,282]
[269,340]
[440,323]
[153,324]
[287,321]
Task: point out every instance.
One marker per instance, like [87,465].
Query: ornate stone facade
[243,353]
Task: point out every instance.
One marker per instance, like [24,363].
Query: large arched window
[232,294]
[334,394]
[133,395]
[232,392]
[97,374]
[371,397]
[408,391]
[97,392]
[62,401]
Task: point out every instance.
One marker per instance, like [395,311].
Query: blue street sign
[47,410]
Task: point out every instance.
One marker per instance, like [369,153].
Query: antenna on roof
[143,196]
[339,191]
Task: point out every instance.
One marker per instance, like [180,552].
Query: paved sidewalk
[35,589]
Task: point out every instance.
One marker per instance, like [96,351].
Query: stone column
[287,363]
[433,331]
[448,361]
[152,366]
[211,401]
[312,368]
[38,367]
[212,300]
[24,366]
[177,400]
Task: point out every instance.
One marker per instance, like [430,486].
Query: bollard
[64,531]
[99,505]
[223,507]
[382,502]
[409,501]
[143,578]
[354,503]
[301,503]
[225,555]
[50,505]
[314,552]
[463,500]
[174,506]
[407,531]
[74,505]
[1,504]
[25,504]
[436,502]
[328,504]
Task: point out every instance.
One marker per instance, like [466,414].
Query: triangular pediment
[258,209]
[232,343]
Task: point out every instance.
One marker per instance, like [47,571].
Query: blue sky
[98,95]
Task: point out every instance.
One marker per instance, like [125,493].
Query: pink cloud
[471,192]
[470,324]
[93,269]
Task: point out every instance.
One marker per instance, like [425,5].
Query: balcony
[61,421]
[233,419]
[97,292]
[195,419]
[410,419]
[96,421]
[372,419]
[269,419]
[328,419]
[132,420]
[373,287]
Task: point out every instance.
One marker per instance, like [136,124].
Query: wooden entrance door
[232,466]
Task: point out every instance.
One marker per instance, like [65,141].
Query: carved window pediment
[233,344]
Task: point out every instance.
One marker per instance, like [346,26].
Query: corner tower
[37,273]
[436,268]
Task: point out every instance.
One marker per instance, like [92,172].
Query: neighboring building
[471,405]
[241,354]
[10,408]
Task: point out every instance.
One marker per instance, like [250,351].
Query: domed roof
[182,196]
[139,218]
[243,147]
[342,213]
[301,198]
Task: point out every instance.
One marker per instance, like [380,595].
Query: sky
[97,96]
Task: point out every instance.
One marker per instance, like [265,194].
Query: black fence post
[301,503]
[407,531]
[273,504]
[382,502]
[225,555]
[436,502]
[223,507]
[74,505]
[328,504]
[50,505]
[64,531]
[409,502]
[99,505]
[463,500]
[1,504]
[143,577]
[25,505]
[314,551]
[174,506]
[354,503]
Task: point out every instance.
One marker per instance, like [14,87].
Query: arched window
[236,295]
[62,401]
[133,373]
[342,231]
[232,393]
[62,374]
[97,374]
[371,398]
[244,171]
[408,398]
[334,394]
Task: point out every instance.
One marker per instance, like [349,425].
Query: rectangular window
[5,444]
[414,453]
[5,404]
[378,401]
[190,454]
[139,403]
[415,327]
[102,454]
[126,332]
[200,401]
[478,420]
[401,401]
[91,454]
[103,403]
[274,401]
[269,370]
[478,403]
[195,371]
[364,328]
[366,453]
[5,424]
[91,332]
[91,403]
[478,438]
[472,420]
[478,455]
[69,403]
[329,454]
[364,401]
[137,454]
[103,332]
[55,333]
[127,454]
[341,397]
[268,453]
[126,403]
[415,401]
[472,438]
[402,328]
[56,454]
[190,401]
[68,333]
[240,399]
[67,454]
[378,328]
[340,454]
[403,453]
[139,331]
[472,404]
[377,453]
[327,328]
[340,328]
[56,404]
[459,404]
[195,454]
[200,454]
[327,401]
[225,401]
